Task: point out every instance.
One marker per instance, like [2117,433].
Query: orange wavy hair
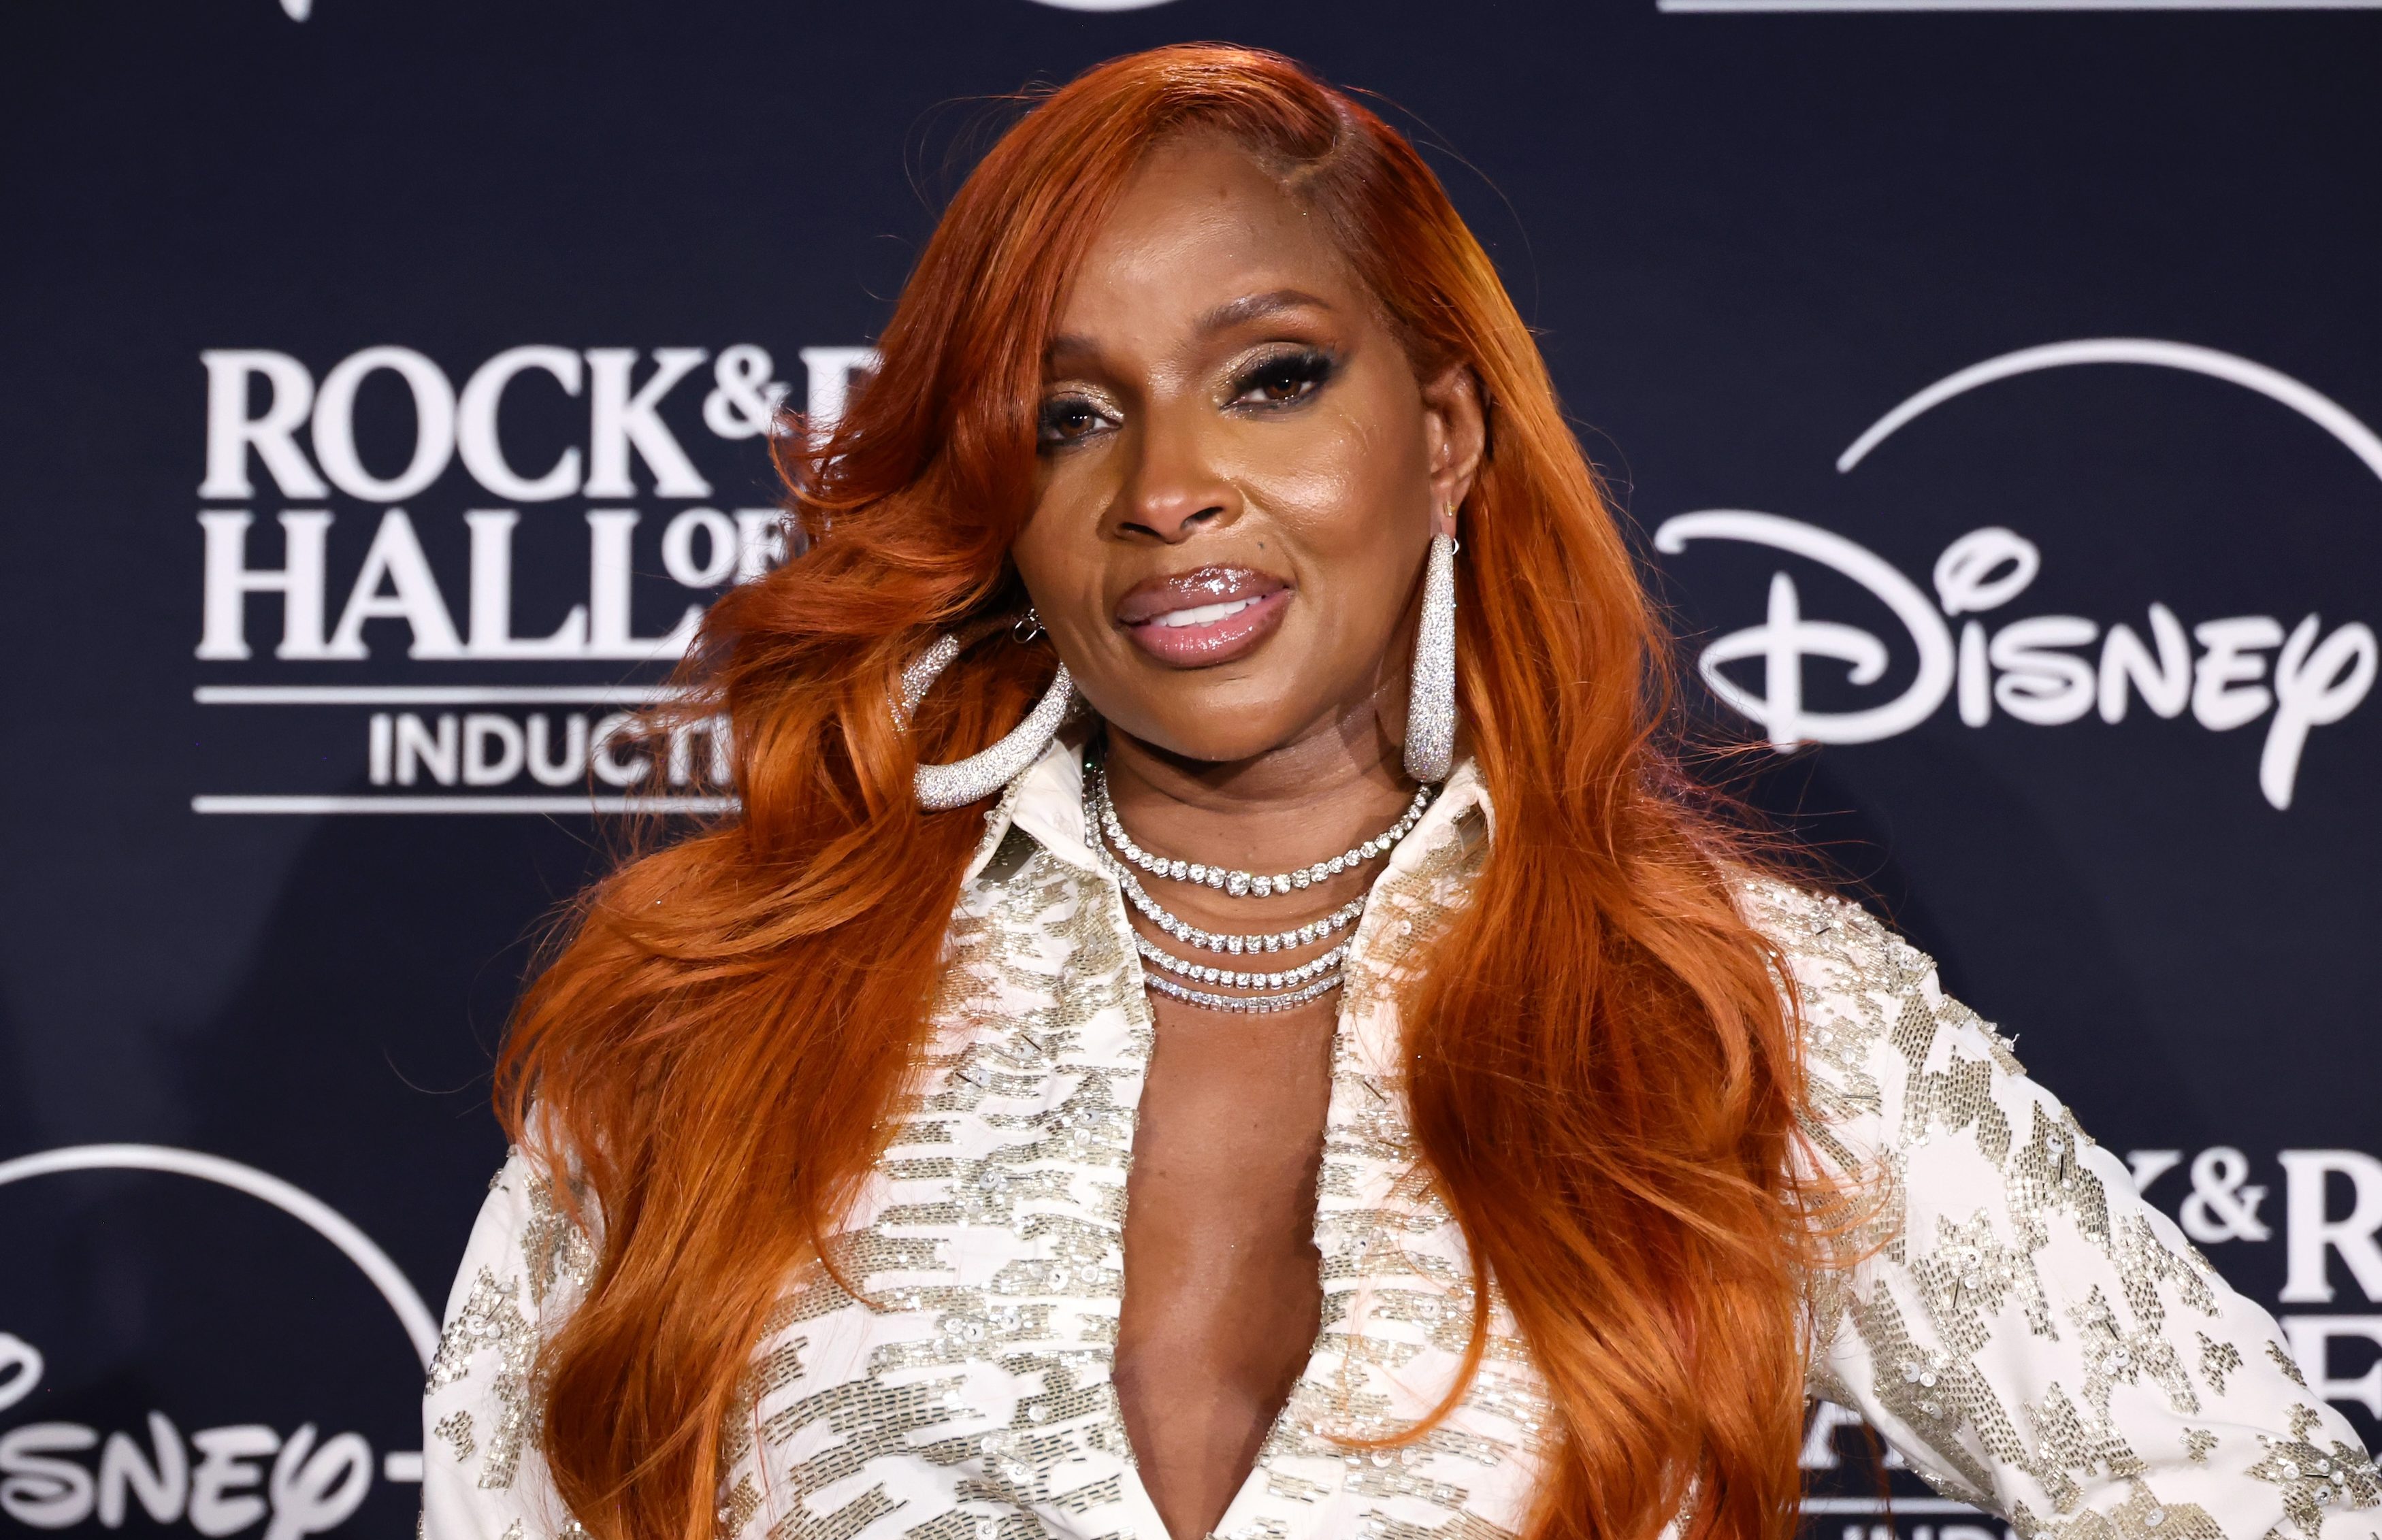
[1602,1078]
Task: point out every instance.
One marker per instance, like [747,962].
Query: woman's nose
[1174,490]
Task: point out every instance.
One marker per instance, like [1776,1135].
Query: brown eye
[1283,379]
[1067,420]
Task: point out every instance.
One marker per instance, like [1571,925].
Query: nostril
[1164,524]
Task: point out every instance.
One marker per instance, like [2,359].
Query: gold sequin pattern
[2025,1329]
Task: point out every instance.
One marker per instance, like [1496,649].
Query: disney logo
[312,1484]
[218,1480]
[2036,669]
[2031,669]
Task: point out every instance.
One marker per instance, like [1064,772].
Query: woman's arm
[482,1476]
[2024,1329]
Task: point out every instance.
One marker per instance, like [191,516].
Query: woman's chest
[1222,1290]
[970,1389]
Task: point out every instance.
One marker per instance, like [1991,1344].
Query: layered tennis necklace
[1279,989]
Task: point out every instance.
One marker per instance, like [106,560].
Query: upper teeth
[1202,615]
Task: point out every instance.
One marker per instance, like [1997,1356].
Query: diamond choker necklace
[1243,884]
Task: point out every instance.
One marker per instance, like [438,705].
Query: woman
[1216,1015]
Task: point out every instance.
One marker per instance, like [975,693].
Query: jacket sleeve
[2028,1333]
[526,1264]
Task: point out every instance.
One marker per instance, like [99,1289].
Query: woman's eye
[1283,380]
[1067,419]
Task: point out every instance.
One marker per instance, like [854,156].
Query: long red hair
[1602,1075]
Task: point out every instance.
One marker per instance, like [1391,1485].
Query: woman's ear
[1458,430]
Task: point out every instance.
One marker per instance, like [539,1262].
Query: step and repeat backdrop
[1994,396]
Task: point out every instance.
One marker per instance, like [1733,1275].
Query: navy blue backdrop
[1993,394]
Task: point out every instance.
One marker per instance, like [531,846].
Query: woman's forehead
[1202,234]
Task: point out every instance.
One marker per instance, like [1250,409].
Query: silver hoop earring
[939,787]
[1431,695]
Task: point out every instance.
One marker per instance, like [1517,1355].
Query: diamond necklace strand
[1243,884]
[1190,934]
[1247,1005]
[1200,973]
[1211,941]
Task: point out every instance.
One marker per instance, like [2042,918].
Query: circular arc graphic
[421,1326]
[2310,403]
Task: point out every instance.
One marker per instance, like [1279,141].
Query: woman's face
[1240,471]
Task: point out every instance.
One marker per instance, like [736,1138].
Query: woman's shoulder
[1863,993]
[1890,1062]
[530,1255]
[1832,944]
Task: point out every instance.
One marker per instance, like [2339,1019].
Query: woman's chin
[1217,731]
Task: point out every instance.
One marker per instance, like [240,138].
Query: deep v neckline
[1396,1304]
[1248,1492]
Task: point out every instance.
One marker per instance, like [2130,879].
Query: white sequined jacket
[2035,1339]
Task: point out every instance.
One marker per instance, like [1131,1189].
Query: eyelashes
[1070,418]
[1284,378]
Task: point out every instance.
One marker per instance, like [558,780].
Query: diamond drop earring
[1430,696]
[939,787]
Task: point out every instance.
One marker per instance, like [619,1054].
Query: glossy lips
[1208,616]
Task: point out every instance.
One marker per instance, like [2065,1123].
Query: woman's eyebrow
[1231,312]
[1249,307]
